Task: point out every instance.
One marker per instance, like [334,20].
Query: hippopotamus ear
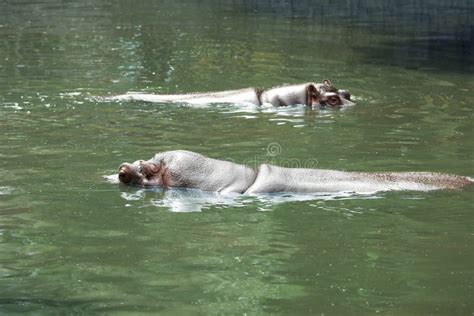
[312,94]
[327,86]
[327,83]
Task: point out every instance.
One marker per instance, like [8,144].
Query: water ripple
[193,200]
[6,190]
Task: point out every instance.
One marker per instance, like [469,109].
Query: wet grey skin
[310,94]
[185,169]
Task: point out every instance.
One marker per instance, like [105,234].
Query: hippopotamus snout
[141,172]
[345,94]
[128,174]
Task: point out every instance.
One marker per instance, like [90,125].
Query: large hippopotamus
[310,94]
[186,169]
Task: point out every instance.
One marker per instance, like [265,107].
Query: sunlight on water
[4,190]
[189,200]
[74,242]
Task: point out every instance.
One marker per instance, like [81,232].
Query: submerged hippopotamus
[310,94]
[187,169]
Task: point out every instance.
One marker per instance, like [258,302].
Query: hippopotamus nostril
[345,94]
[124,175]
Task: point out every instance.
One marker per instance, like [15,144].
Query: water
[72,242]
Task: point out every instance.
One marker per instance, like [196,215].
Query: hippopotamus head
[143,173]
[326,94]
[186,169]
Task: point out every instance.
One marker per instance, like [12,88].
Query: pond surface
[72,242]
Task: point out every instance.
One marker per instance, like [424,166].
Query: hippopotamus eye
[333,101]
[148,169]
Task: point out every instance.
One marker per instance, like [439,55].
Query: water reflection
[71,242]
[183,200]
[155,52]
[295,115]
[191,200]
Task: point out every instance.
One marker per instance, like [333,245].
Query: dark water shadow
[427,35]
[441,52]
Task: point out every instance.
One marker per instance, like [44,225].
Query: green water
[72,242]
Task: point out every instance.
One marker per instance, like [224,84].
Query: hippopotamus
[310,94]
[186,169]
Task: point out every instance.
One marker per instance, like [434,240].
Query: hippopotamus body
[310,94]
[187,169]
